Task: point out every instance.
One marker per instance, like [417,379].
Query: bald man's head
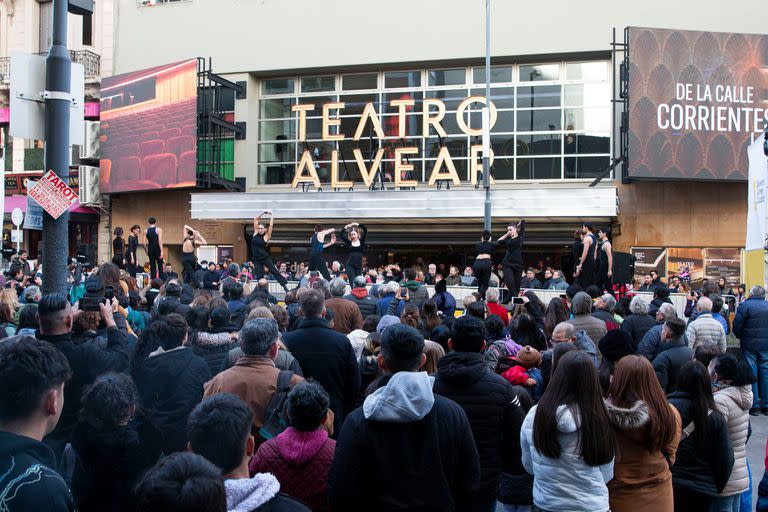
[704,305]
[564,332]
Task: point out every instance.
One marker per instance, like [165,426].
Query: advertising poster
[647,259]
[149,129]
[696,100]
[723,263]
[686,262]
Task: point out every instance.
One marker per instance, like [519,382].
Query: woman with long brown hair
[647,430]
[431,318]
[555,314]
[566,440]
[412,317]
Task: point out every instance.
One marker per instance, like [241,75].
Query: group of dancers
[593,253]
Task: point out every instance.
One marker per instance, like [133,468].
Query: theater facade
[346,119]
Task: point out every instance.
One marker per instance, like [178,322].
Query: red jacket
[516,375]
[494,308]
[300,461]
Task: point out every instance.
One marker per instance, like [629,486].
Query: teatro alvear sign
[432,114]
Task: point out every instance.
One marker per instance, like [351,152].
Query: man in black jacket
[32,377]
[360,296]
[491,406]
[87,360]
[211,277]
[405,448]
[673,354]
[325,355]
[170,380]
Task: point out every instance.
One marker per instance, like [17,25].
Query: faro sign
[432,114]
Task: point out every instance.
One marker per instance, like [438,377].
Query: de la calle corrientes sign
[432,114]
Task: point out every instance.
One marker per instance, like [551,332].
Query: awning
[18,201]
[556,202]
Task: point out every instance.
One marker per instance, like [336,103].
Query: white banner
[756,214]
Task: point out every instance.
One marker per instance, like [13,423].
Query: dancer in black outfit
[118,248]
[188,257]
[483,263]
[512,263]
[353,236]
[155,249]
[259,252]
[604,261]
[318,245]
[587,269]
[130,255]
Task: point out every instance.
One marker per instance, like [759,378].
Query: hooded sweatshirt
[248,494]
[417,293]
[417,444]
[27,481]
[566,483]
[300,461]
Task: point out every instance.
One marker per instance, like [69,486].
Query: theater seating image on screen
[148,129]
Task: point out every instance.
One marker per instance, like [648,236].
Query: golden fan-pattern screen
[696,101]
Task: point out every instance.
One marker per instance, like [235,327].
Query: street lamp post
[487,120]
[57,106]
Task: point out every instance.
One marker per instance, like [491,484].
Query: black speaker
[623,267]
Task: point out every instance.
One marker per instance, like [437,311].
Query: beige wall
[682,214]
[171,209]
[254,36]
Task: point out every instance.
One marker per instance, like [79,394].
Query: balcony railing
[91,62]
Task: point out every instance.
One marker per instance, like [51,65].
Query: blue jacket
[384,303]
[751,324]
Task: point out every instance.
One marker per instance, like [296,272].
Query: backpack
[275,419]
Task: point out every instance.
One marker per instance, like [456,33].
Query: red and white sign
[53,194]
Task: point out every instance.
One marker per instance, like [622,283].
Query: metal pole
[57,105]
[486,120]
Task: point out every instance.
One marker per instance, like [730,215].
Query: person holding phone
[260,252]
[353,236]
[317,240]
[512,263]
[192,237]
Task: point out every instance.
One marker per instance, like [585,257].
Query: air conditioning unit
[88,178]
[91,149]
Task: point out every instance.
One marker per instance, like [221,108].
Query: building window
[553,122]
[88,30]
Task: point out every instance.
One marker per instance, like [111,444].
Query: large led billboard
[149,129]
[696,100]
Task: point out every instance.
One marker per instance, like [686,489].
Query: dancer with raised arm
[512,263]
[318,246]
[259,251]
[483,264]
[353,236]
[188,257]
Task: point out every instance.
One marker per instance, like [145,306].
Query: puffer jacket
[704,471]
[705,330]
[365,303]
[734,403]
[751,324]
[567,483]
[493,411]
[213,347]
[300,461]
